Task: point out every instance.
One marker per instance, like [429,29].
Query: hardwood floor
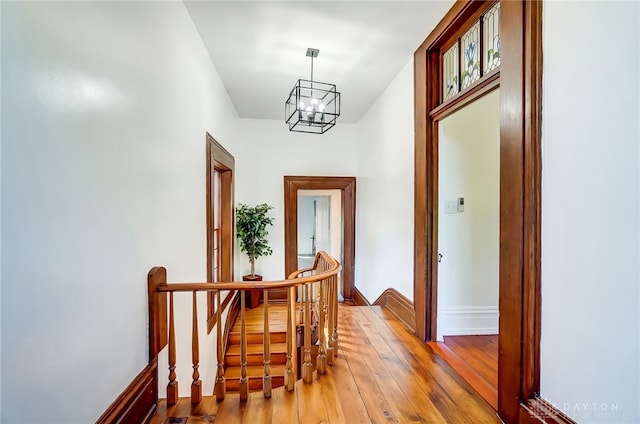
[480,352]
[382,374]
[255,321]
[475,358]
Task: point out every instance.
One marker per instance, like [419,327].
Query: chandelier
[312,106]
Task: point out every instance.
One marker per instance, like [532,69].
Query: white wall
[265,152]
[0,219]
[469,167]
[590,210]
[105,108]
[384,222]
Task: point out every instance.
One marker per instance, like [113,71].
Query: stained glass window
[474,54]
[470,42]
[491,28]
[450,72]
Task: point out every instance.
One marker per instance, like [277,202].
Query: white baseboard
[468,321]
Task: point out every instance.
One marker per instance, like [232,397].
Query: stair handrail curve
[312,294]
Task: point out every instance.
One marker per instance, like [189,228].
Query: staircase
[312,327]
[255,359]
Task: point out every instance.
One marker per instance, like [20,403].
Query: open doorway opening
[319,226]
[344,218]
[469,241]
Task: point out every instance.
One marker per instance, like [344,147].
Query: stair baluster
[266,340]
[311,306]
[321,361]
[244,385]
[307,366]
[220,388]
[196,385]
[172,386]
[290,376]
[330,299]
[334,313]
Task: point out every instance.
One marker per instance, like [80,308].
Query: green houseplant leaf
[251,230]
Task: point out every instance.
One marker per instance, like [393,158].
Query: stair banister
[318,287]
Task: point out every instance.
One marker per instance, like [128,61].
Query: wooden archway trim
[347,185]
[520,194]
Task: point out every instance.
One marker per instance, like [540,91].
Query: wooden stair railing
[314,290]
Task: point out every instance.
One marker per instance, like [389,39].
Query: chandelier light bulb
[301,105]
[314,102]
[321,107]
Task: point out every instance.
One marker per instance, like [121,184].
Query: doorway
[520,80]
[319,227]
[341,213]
[469,242]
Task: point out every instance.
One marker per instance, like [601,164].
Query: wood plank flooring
[475,358]
[382,374]
[480,352]
[255,321]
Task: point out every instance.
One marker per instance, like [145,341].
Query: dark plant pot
[252,297]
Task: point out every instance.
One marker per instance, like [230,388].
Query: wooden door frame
[347,185]
[520,83]
[217,157]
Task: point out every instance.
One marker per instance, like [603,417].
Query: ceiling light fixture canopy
[312,106]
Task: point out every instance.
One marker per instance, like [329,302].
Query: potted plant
[251,230]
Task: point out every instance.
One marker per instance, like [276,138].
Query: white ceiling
[259,47]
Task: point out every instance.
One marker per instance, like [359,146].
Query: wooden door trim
[428,110]
[520,193]
[347,185]
[217,157]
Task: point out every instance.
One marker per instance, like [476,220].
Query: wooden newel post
[157,311]
[157,315]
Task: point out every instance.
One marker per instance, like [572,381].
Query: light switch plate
[451,206]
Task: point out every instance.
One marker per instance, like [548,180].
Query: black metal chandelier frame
[312,106]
